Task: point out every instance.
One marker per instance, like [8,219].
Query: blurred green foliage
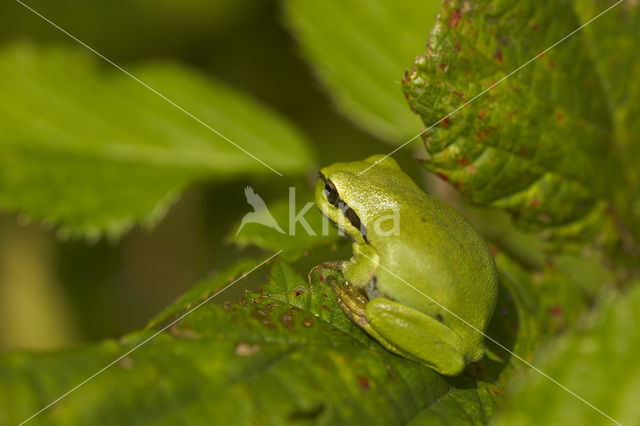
[598,361]
[113,287]
[86,151]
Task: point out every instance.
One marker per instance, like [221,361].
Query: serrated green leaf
[294,240]
[598,363]
[202,290]
[359,49]
[283,354]
[540,144]
[93,151]
[275,358]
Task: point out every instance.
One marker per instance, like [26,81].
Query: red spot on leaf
[457,47]
[454,18]
[552,266]
[534,26]
[460,94]
[485,133]
[556,311]
[497,55]
[463,161]
[471,169]
[364,383]
[482,114]
[445,122]
[560,117]
[443,176]
[494,249]
[535,203]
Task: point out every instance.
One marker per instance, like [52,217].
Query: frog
[422,280]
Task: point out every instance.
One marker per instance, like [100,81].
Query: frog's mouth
[338,227]
[333,197]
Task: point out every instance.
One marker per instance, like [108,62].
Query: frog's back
[435,249]
[443,257]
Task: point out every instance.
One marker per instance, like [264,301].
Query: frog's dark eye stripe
[352,217]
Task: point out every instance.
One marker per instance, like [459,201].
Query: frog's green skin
[436,251]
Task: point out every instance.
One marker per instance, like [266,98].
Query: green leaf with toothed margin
[89,149]
[284,353]
[540,144]
[598,361]
[359,49]
[203,290]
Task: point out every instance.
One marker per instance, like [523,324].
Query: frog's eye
[331,193]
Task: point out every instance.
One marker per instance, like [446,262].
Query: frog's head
[349,194]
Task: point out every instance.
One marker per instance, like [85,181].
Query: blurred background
[53,292]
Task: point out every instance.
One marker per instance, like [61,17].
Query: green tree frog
[418,266]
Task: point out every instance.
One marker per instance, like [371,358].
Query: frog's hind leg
[415,335]
[350,300]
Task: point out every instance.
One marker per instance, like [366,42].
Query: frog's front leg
[415,335]
[361,268]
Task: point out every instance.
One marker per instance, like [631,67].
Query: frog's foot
[415,335]
[334,265]
[351,301]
